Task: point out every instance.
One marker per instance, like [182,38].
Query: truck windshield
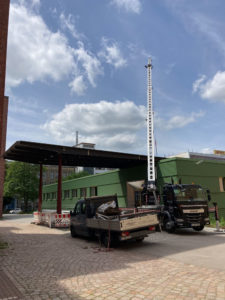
[189,193]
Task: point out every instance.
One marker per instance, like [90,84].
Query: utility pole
[4,19]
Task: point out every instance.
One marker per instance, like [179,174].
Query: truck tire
[111,241]
[168,226]
[198,228]
[73,232]
[105,240]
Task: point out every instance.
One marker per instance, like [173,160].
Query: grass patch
[213,222]
[3,245]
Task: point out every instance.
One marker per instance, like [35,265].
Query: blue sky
[79,65]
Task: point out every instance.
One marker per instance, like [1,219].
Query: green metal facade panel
[109,183]
[166,172]
[203,172]
[197,171]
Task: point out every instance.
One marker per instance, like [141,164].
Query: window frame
[66,194]
[95,191]
[84,189]
[74,191]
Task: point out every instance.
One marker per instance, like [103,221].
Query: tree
[76,175]
[22,182]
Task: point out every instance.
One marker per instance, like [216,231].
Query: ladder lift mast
[150,185]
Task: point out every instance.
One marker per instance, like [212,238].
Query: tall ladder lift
[149,190]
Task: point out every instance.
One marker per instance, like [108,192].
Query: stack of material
[108,211]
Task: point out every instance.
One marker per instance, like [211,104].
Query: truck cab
[185,206]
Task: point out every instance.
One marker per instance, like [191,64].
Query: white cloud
[40,54]
[198,83]
[89,62]
[69,23]
[200,25]
[177,121]
[211,29]
[214,89]
[32,4]
[35,3]
[78,85]
[206,151]
[36,52]
[133,6]
[23,107]
[169,68]
[109,125]
[112,54]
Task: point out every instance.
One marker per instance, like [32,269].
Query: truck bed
[124,223]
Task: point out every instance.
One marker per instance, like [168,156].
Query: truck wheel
[169,226]
[198,228]
[73,232]
[105,240]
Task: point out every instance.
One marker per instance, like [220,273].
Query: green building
[126,183]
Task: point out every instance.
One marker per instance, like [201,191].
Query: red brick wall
[4,17]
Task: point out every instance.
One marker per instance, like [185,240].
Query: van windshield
[189,193]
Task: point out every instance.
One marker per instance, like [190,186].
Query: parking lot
[44,263]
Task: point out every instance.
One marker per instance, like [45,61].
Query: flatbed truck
[127,224]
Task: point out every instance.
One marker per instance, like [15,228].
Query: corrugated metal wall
[207,173]
[113,182]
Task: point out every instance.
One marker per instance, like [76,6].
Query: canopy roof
[48,154]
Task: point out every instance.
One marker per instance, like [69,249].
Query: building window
[66,194]
[74,193]
[83,192]
[93,191]
[43,196]
[48,196]
[54,195]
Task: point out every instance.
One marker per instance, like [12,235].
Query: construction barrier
[62,220]
[52,219]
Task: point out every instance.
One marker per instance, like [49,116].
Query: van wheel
[105,240]
[168,226]
[198,228]
[73,232]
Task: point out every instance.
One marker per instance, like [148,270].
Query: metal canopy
[47,154]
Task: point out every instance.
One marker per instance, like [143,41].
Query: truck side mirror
[208,195]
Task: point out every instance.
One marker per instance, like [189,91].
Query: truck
[125,224]
[184,206]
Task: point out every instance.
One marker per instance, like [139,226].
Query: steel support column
[40,189]
[59,194]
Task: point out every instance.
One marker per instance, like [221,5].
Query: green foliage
[3,245]
[213,221]
[22,181]
[76,175]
